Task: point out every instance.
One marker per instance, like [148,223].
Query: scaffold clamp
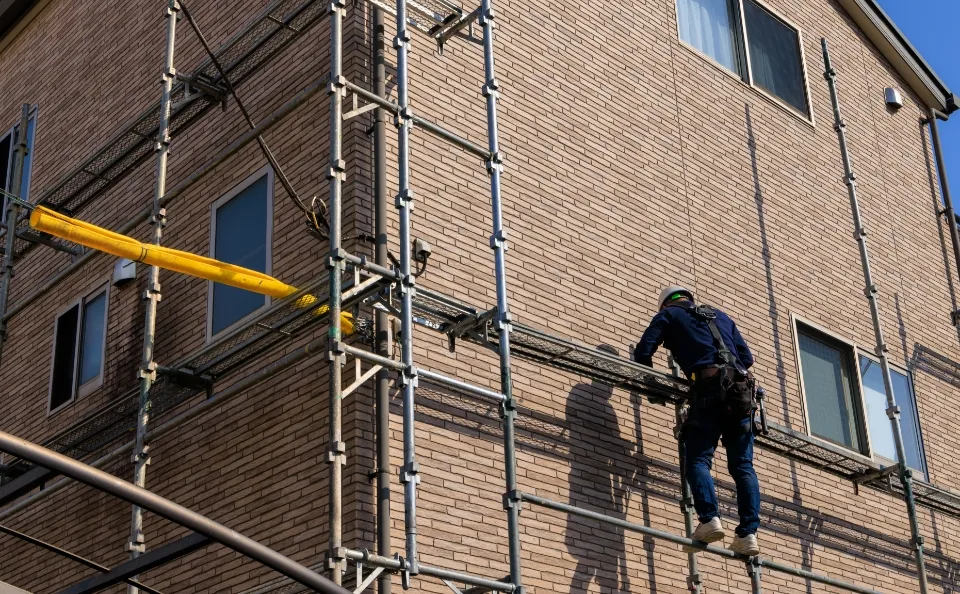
[335,556]
[410,472]
[143,456]
[159,217]
[487,17]
[337,453]
[495,162]
[148,371]
[513,499]
[499,240]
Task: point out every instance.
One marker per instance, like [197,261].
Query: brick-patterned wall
[632,162]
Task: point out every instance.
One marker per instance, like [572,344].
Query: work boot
[746,545]
[706,532]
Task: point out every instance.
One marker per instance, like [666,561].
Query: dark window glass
[25,182]
[91,341]
[64,358]
[711,27]
[881,433]
[775,60]
[4,171]
[828,383]
[241,239]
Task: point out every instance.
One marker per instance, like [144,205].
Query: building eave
[904,58]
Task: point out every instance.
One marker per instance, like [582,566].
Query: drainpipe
[948,211]
[383,340]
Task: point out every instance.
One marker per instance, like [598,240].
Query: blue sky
[932,27]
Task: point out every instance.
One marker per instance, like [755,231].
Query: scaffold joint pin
[410,472]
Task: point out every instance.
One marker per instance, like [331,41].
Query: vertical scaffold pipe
[384,585]
[754,572]
[893,411]
[148,368]
[410,472]
[498,243]
[694,583]
[948,211]
[336,455]
[12,213]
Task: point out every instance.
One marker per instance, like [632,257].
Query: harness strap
[710,315]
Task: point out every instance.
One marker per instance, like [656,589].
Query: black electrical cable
[309,213]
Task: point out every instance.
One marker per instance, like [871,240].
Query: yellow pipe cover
[100,239]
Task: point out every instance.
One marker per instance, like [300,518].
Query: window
[79,342]
[241,233]
[829,384]
[750,41]
[881,434]
[847,403]
[8,149]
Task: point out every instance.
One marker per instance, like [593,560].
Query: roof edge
[905,58]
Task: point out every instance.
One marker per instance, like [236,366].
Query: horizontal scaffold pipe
[307,351]
[396,564]
[167,509]
[100,239]
[427,125]
[233,148]
[680,540]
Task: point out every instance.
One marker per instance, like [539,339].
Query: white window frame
[742,41]
[796,322]
[246,183]
[80,391]
[34,115]
[916,412]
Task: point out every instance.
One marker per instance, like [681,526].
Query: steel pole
[167,509]
[498,243]
[148,368]
[410,472]
[336,455]
[382,330]
[12,216]
[694,583]
[948,212]
[754,571]
[893,411]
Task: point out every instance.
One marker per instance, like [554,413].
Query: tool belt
[736,387]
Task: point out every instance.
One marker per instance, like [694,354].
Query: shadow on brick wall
[545,435]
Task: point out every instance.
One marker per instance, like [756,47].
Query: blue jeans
[708,423]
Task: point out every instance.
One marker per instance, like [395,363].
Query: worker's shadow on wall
[597,481]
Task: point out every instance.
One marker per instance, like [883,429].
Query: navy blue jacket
[688,337]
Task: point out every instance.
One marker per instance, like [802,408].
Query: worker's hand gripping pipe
[97,238]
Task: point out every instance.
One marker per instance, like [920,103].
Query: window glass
[64,358]
[711,27]
[25,182]
[241,239]
[91,340]
[4,171]
[881,433]
[829,390]
[775,61]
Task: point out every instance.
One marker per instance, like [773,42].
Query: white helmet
[671,291]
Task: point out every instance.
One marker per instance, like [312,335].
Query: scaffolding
[352,282]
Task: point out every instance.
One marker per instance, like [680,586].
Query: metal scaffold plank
[278,326]
[447,315]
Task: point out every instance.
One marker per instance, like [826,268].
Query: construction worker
[709,349]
